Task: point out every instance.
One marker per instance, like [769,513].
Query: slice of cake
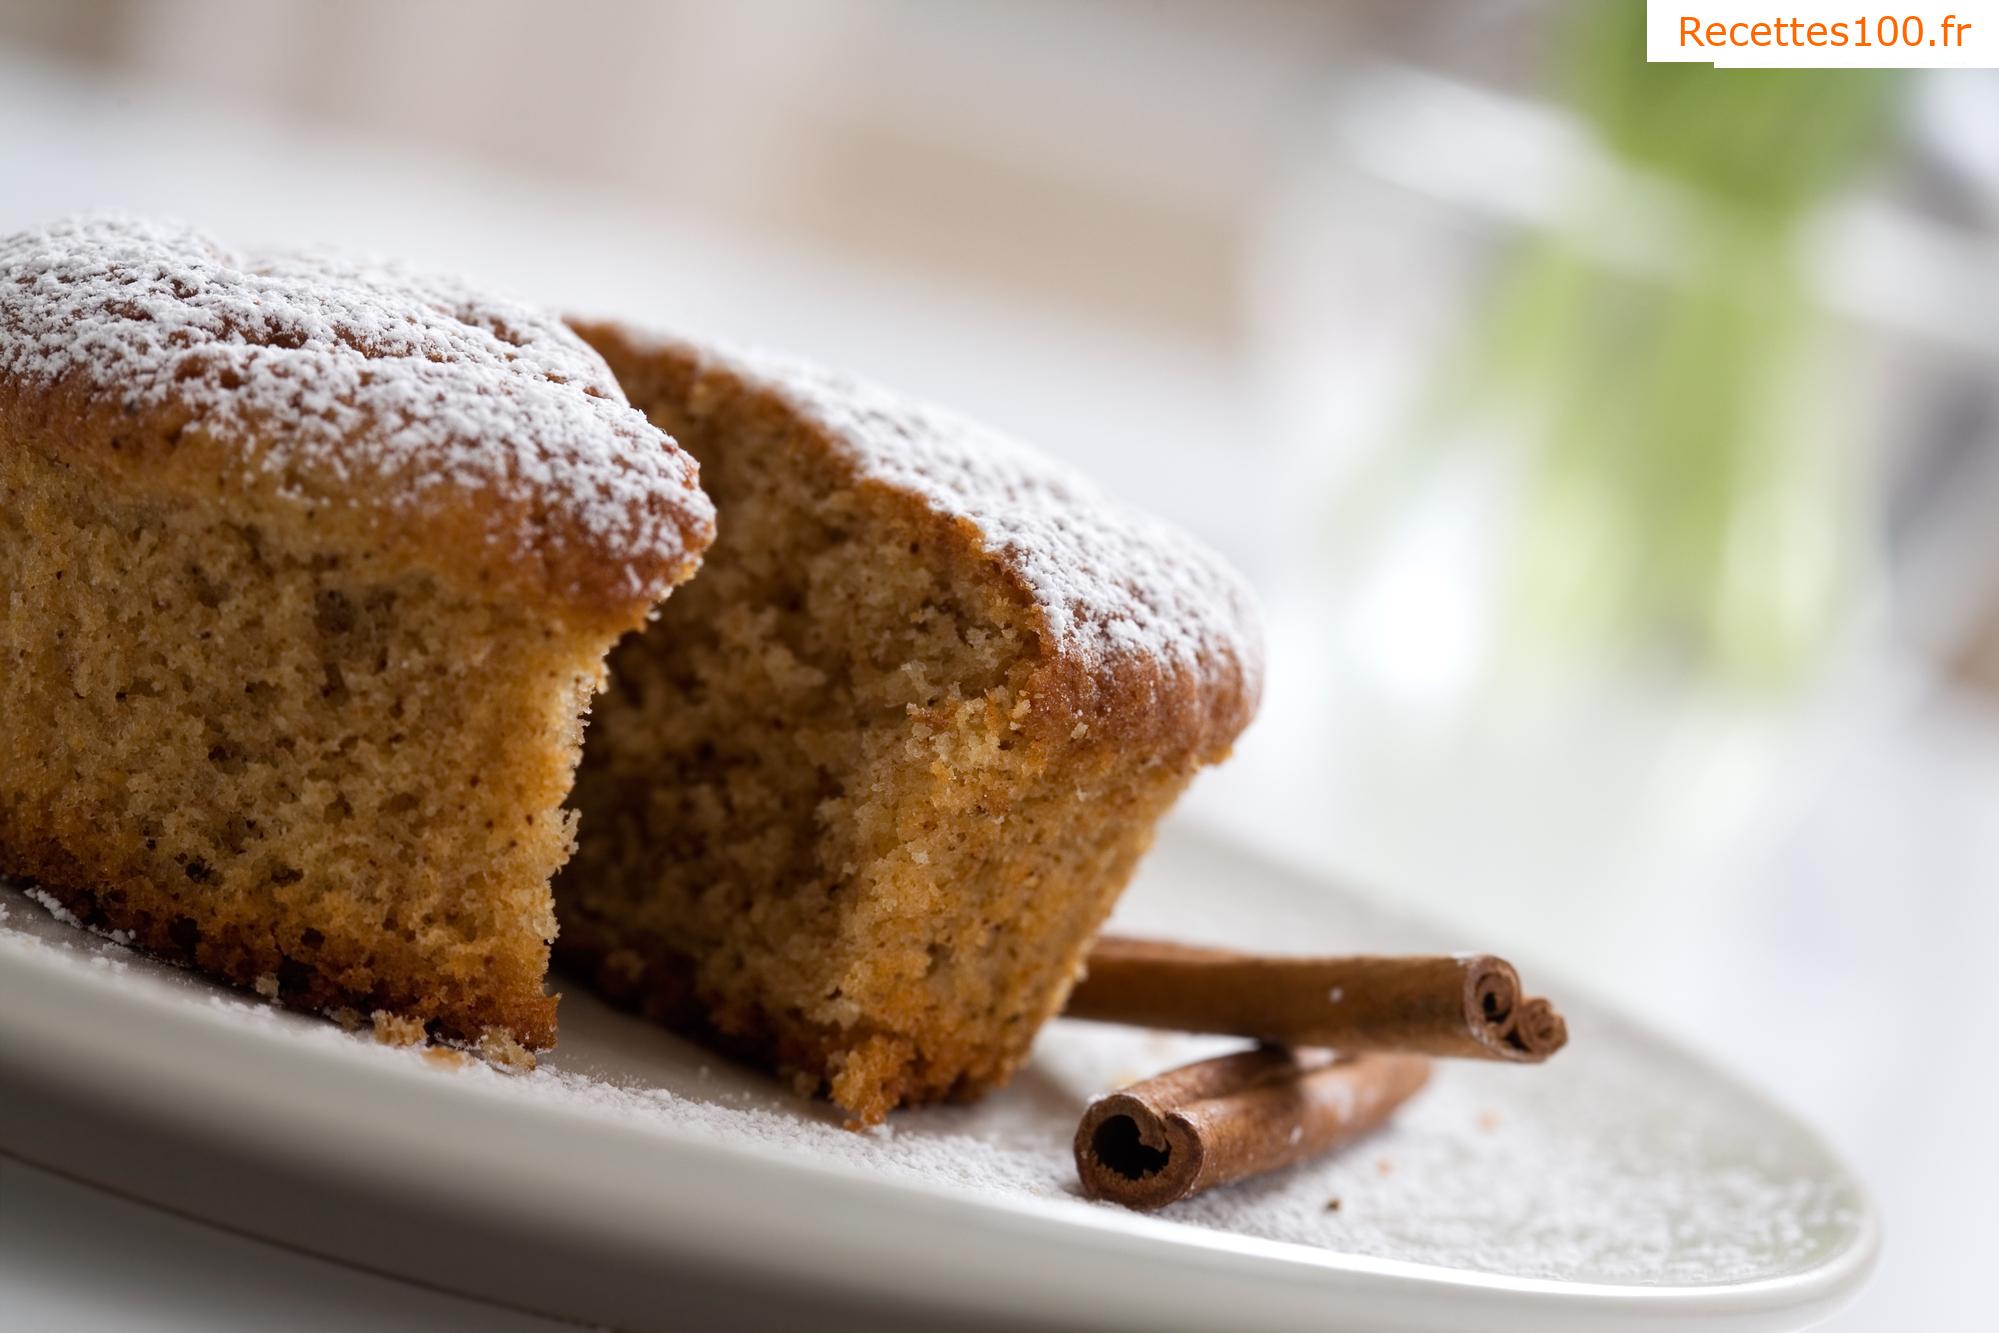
[307,575]
[855,804]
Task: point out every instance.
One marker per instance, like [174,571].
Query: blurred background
[1615,447]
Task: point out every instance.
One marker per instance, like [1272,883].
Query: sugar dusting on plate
[1617,1163]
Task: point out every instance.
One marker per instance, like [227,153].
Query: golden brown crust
[154,450]
[386,412]
[1148,643]
[246,955]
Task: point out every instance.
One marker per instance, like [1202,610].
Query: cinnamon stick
[1466,1005]
[1219,1120]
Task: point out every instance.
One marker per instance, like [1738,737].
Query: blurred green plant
[1688,487]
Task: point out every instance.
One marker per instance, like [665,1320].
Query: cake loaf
[308,570]
[857,801]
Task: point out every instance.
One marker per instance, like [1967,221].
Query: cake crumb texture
[271,765]
[855,804]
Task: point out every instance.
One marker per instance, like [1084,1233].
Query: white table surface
[76,1258]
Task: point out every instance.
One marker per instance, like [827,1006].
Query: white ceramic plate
[638,1181]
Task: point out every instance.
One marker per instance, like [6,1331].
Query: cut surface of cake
[308,570]
[854,805]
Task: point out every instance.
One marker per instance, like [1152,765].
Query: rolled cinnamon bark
[1538,1030]
[1467,1005]
[1239,1115]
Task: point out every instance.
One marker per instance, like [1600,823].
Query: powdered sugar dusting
[1113,582]
[326,375]
[49,903]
